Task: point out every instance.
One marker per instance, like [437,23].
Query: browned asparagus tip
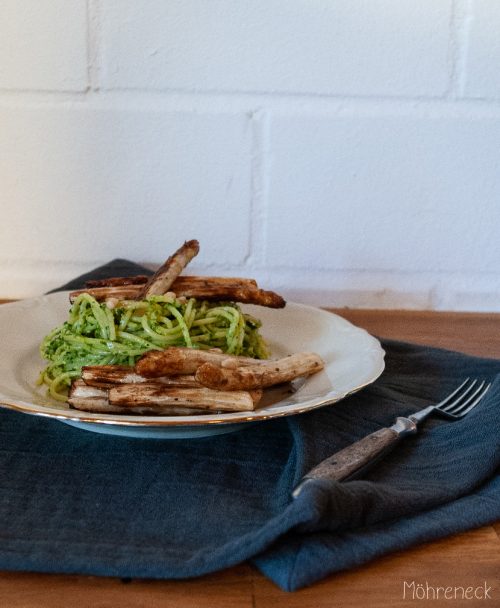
[163,278]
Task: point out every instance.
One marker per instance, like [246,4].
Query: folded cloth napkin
[72,501]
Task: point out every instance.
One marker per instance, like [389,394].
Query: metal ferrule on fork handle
[404,426]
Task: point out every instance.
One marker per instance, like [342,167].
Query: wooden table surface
[466,560]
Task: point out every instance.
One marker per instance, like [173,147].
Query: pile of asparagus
[184,381]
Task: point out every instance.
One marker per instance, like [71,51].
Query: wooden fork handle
[360,455]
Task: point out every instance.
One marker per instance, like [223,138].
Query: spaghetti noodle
[95,334]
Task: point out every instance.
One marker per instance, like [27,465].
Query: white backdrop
[343,152]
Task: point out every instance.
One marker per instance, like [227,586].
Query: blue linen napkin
[72,501]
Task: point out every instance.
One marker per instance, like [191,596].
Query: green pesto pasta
[95,334]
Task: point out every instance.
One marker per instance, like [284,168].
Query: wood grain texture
[497,528]
[467,559]
[229,589]
[355,456]
[472,333]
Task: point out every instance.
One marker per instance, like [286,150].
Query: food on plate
[105,376]
[156,395]
[94,399]
[95,334]
[178,360]
[182,379]
[138,279]
[211,289]
[163,278]
[267,373]
[166,345]
[164,399]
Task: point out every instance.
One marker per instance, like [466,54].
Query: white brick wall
[482,76]
[313,47]
[344,152]
[109,182]
[412,206]
[43,45]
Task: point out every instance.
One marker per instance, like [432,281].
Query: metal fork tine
[450,400]
[464,400]
[476,398]
[465,395]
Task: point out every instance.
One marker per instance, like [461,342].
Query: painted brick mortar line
[236,102]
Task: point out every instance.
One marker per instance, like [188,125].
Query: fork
[361,455]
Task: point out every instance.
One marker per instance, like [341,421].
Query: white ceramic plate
[353,360]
